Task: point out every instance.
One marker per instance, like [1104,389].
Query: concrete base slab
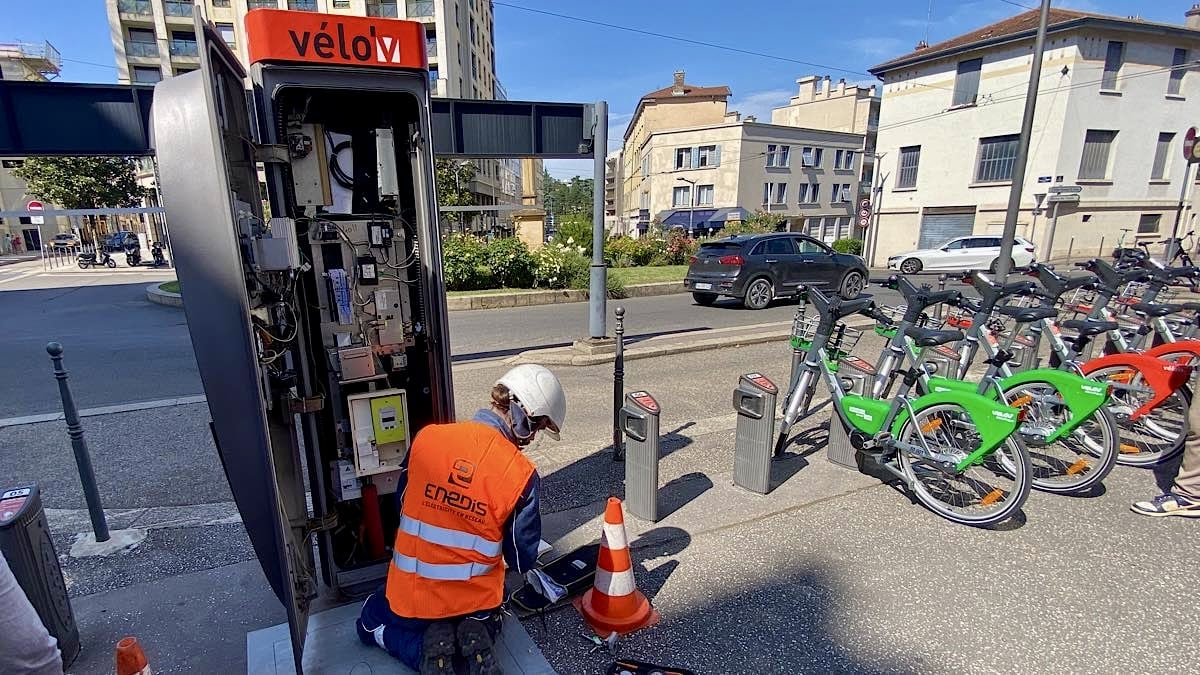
[593,346]
[332,646]
[118,540]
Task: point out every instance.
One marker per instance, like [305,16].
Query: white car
[964,253]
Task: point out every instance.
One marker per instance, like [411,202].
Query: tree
[83,182]
[453,188]
[568,198]
[760,222]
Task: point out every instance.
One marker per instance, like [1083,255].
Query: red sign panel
[645,400]
[328,39]
[762,381]
[1189,145]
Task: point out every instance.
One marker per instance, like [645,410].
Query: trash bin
[26,545]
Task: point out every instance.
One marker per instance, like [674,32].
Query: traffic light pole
[1004,265]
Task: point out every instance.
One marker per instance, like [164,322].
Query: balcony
[183,9]
[421,9]
[184,48]
[261,4]
[141,49]
[388,10]
[431,47]
[302,5]
[135,7]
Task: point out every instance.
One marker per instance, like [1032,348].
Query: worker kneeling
[468,501]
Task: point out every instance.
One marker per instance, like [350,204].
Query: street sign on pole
[35,205]
[1189,145]
[864,213]
[1065,189]
[1044,179]
[1063,199]
[1038,197]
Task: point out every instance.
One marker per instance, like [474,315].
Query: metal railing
[302,5]
[418,9]
[139,7]
[133,48]
[178,8]
[431,46]
[184,48]
[384,9]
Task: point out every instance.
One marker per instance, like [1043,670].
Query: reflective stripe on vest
[446,537]
[452,572]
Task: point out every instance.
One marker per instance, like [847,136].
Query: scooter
[86,260]
[159,259]
[133,256]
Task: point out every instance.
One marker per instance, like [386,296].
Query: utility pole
[1018,177]
[598,287]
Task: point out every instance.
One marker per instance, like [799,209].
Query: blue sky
[543,57]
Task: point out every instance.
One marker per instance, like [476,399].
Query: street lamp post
[691,202]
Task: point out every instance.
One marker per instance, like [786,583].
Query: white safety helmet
[540,395]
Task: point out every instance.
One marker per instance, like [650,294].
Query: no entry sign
[35,205]
[1190,152]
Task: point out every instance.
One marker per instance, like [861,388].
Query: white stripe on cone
[614,537]
[615,583]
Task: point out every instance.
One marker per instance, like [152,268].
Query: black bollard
[941,287]
[82,459]
[618,384]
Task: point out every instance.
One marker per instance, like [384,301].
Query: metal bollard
[1070,247]
[618,384]
[639,422]
[1101,253]
[754,402]
[941,287]
[82,458]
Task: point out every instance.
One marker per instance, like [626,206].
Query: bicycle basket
[841,341]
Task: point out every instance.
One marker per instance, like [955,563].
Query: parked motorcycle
[87,260]
[133,254]
[159,259]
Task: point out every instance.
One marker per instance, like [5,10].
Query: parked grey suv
[759,268]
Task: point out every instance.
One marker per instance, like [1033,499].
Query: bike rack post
[1100,253]
[1071,247]
[754,402]
[618,383]
[941,287]
[639,422]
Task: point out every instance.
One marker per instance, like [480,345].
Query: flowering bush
[680,247]
[510,262]
[560,265]
[464,264]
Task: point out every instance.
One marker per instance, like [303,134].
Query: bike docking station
[639,422]
[754,401]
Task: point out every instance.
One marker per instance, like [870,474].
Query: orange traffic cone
[131,660]
[614,602]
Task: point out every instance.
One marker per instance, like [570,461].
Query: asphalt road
[121,348]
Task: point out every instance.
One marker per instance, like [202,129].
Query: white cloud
[760,103]
[880,47]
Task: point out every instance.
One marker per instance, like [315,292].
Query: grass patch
[170,286]
[649,275]
[495,291]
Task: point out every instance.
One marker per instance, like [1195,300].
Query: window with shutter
[966,82]
[1159,169]
[1178,69]
[997,157]
[1097,145]
[1113,61]
[906,174]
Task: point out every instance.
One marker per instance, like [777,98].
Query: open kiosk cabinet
[303,216]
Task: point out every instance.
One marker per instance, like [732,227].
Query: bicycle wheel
[1075,462]
[984,493]
[1154,437]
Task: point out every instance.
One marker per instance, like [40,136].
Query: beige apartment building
[1117,95]
[820,104]
[689,162]
[153,39]
[24,62]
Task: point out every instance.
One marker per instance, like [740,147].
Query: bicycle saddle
[1190,306]
[1155,310]
[925,337]
[1089,327]
[1028,314]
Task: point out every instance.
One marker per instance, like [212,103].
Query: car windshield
[719,247]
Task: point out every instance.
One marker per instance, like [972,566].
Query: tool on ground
[754,401]
[632,667]
[639,421]
[130,659]
[607,644]
[573,572]
[614,603]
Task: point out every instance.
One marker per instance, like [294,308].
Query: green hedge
[852,246]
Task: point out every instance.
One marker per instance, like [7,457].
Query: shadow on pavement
[501,353]
[679,492]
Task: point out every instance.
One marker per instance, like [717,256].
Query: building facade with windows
[153,39]
[821,104]
[1116,96]
[682,171]
[24,62]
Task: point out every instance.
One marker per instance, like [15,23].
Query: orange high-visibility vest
[464,481]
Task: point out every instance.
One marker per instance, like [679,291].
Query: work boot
[437,650]
[475,644]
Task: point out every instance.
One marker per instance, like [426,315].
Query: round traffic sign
[1189,145]
[864,213]
[35,205]
[864,221]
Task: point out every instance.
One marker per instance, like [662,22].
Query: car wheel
[852,285]
[759,293]
[705,299]
[911,266]
[993,266]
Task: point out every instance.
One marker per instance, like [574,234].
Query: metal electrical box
[639,421]
[754,402]
[26,545]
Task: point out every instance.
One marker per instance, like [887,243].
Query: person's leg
[476,636]
[25,644]
[1184,497]
[401,638]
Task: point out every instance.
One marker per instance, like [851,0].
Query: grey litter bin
[639,422]
[754,402]
[26,545]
